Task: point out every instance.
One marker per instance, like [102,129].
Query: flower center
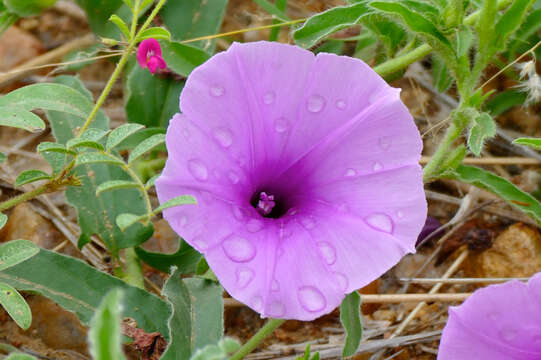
[267,205]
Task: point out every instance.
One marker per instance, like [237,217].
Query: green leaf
[272,9]
[151,100]
[441,76]
[121,25]
[98,13]
[47,96]
[97,158]
[531,142]
[121,133]
[185,259]
[197,318]
[20,356]
[129,3]
[387,31]
[505,100]
[79,288]
[150,183]
[483,128]
[194,18]
[220,351]
[16,251]
[485,30]
[510,21]
[54,147]
[157,33]
[29,176]
[97,215]
[2,157]
[90,139]
[83,240]
[114,185]
[350,317]
[3,220]
[414,20]
[464,40]
[182,58]
[6,20]
[20,118]
[501,187]
[176,201]
[105,335]
[323,24]
[16,306]
[126,220]
[26,8]
[146,146]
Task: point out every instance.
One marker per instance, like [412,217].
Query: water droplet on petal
[186,133]
[281,125]
[328,252]
[217,90]
[311,298]
[350,172]
[380,222]
[233,177]
[254,225]
[307,222]
[377,166]
[198,169]
[400,214]
[223,136]
[277,309]
[183,221]
[200,244]
[275,286]
[257,303]
[315,103]
[269,97]
[342,280]
[384,143]
[244,276]
[239,249]
[340,104]
[237,213]
[508,334]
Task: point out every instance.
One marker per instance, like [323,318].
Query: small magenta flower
[306,173]
[149,55]
[498,322]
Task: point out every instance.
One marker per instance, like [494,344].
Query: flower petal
[497,322]
[146,46]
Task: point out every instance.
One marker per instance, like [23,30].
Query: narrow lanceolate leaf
[185,259]
[124,221]
[79,287]
[182,58]
[20,356]
[16,251]
[441,76]
[54,147]
[97,158]
[121,133]
[176,201]
[501,187]
[121,25]
[115,185]
[510,21]
[91,139]
[464,40]
[29,176]
[150,183]
[157,33]
[49,97]
[485,29]
[197,318]
[105,335]
[323,24]
[483,128]
[414,20]
[16,306]
[20,118]
[531,142]
[3,220]
[350,317]
[272,9]
[146,146]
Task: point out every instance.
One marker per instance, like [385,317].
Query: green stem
[134,19]
[433,168]
[399,63]
[134,272]
[23,197]
[255,340]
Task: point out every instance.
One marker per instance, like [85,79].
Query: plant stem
[255,340]
[432,169]
[134,273]
[22,198]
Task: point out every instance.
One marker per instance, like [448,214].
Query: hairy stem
[255,340]
[433,168]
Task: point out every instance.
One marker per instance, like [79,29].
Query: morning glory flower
[149,55]
[498,322]
[305,169]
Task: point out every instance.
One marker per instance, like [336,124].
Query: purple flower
[306,174]
[498,322]
[149,54]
